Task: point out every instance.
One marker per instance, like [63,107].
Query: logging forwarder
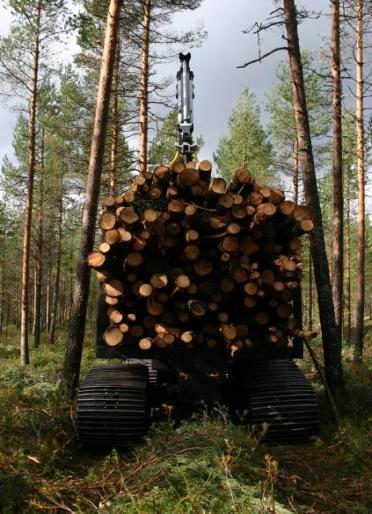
[116,401]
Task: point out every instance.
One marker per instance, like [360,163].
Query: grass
[206,465]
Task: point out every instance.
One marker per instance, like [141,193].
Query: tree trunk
[347,333]
[71,263]
[25,358]
[53,314]
[244,157]
[34,288]
[295,171]
[331,341]
[115,126]
[39,253]
[7,318]
[16,313]
[61,309]
[144,88]
[360,295]
[310,321]
[2,283]
[74,347]
[47,298]
[338,200]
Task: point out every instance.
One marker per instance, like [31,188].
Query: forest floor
[206,465]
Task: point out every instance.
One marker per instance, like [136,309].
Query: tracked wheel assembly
[112,406]
[113,403]
[281,397]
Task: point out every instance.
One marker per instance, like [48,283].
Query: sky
[218,82]
[7,118]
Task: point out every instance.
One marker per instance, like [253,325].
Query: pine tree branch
[14,75]
[261,57]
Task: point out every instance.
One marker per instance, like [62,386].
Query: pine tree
[331,339]
[156,15]
[349,159]
[282,124]
[37,23]
[361,164]
[247,143]
[338,201]
[162,148]
[74,345]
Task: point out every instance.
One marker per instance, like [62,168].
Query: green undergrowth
[205,465]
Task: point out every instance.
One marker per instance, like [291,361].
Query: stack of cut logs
[188,260]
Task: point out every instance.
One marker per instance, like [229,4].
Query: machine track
[282,397]
[112,406]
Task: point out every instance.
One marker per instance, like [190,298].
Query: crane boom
[185,96]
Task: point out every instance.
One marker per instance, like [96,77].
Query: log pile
[187,259]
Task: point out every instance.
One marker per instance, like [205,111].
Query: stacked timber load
[188,260]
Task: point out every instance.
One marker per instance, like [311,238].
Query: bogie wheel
[112,405]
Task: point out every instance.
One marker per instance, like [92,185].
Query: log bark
[72,360]
[144,87]
[338,196]
[331,339]
[25,281]
[360,295]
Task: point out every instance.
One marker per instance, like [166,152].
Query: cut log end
[96,259]
[145,343]
[188,259]
[113,336]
